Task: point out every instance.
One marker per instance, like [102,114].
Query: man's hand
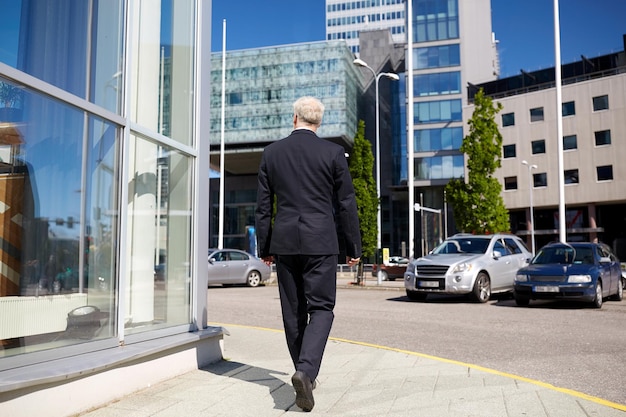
[352,261]
[269,260]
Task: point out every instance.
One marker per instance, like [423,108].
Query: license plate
[546,288]
[429,284]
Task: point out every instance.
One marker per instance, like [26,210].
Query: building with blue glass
[260,87]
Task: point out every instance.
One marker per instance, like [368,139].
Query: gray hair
[309,110]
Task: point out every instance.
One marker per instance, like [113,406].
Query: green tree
[361,163]
[477,204]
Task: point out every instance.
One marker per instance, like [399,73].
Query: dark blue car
[587,272]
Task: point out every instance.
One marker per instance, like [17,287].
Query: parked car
[234,266]
[477,265]
[586,272]
[394,268]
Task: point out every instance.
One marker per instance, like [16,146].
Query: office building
[594,150]
[452,45]
[346,19]
[260,88]
[103,196]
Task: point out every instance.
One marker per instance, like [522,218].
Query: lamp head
[392,76]
[359,62]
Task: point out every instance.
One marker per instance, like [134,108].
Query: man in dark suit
[309,180]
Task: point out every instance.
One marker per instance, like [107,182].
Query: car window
[584,256]
[499,246]
[237,256]
[220,256]
[473,245]
[512,246]
[555,255]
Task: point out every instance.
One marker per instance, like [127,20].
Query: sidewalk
[356,379]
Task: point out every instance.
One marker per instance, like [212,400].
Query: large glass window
[435,20]
[604,173]
[509,151]
[508,119]
[437,56]
[440,167]
[601,103]
[570,142]
[437,111]
[438,139]
[162,85]
[569,108]
[59,176]
[603,137]
[536,114]
[540,180]
[159,234]
[538,146]
[76,46]
[571,176]
[437,84]
[510,183]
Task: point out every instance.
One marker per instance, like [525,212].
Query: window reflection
[75,45]
[58,182]
[159,219]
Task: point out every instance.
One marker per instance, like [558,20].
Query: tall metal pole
[410,121]
[559,121]
[378,210]
[377,77]
[220,239]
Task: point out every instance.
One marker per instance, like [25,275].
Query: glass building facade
[99,176]
[260,87]
[444,40]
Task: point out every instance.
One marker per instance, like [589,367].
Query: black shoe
[304,391]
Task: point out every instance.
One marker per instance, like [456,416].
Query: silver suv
[478,265]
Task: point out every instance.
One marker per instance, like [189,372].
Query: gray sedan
[234,266]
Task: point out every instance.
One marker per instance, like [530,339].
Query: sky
[524,28]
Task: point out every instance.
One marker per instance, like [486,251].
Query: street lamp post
[377,77]
[530,190]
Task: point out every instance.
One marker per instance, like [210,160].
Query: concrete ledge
[68,386]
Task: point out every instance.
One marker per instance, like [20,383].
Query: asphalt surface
[357,379]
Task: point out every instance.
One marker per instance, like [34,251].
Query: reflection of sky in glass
[9,31]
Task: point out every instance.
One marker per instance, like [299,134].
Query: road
[565,344]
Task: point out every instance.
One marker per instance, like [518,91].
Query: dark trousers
[308,286]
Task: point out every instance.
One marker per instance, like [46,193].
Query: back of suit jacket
[305,173]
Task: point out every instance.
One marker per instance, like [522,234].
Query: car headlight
[579,278]
[521,278]
[462,267]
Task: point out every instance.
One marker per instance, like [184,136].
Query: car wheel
[597,302]
[521,301]
[619,295]
[416,296]
[254,279]
[482,288]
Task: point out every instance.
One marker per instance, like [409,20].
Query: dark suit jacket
[310,179]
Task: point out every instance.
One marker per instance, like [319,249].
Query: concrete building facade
[594,129]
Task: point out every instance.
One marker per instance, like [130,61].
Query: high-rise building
[345,19]
[260,88]
[452,46]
